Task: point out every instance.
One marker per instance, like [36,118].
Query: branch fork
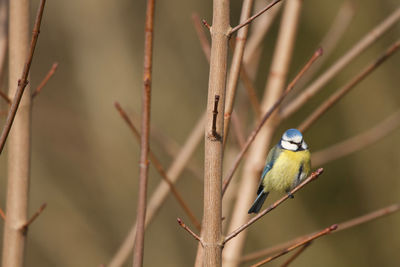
[312,177]
[195,236]
[25,226]
[205,23]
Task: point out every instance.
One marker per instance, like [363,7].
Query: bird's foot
[290,194]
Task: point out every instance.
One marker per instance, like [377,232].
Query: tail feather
[255,208]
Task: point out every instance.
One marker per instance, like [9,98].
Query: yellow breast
[285,171]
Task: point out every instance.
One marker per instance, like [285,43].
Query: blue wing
[272,156]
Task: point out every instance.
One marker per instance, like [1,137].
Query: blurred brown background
[84,157]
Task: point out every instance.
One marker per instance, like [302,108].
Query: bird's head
[292,140]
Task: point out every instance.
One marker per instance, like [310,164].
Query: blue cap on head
[293,135]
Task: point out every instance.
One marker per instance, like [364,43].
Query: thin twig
[169,145]
[157,164]
[295,255]
[253,135]
[184,226]
[159,195]
[334,98]
[332,37]
[2,215]
[341,226]
[5,97]
[138,249]
[205,46]
[251,92]
[342,62]
[357,142]
[311,178]
[326,231]
[249,20]
[234,70]
[205,23]
[25,226]
[204,42]
[238,129]
[45,80]
[23,82]
[259,30]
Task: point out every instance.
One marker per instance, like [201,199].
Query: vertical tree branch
[138,250]
[20,58]
[234,70]
[19,141]
[161,192]
[157,164]
[257,153]
[212,234]
[3,43]
[18,23]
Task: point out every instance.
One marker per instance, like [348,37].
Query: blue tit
[288,163]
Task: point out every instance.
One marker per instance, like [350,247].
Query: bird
[288,164]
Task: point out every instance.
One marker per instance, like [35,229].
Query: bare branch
[205,46]
[238,129]
[2,215]
[5,97]
[23,82]
[295,255]
[213,148]
[342,62]
[259,30]
[45,80]
[161,192]
[4,8]
[331,39]
[184,226]
[341,226]
[20,53]
[274,89]
[138,249]
[169,145]
[205,23]
[326,231]
[204,42]
[24,227]
[311,178]
[157,164]
[235,67]
[249,20]
[251,92]
[334,98]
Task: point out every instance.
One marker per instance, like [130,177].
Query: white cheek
[304,145]
[288,146]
